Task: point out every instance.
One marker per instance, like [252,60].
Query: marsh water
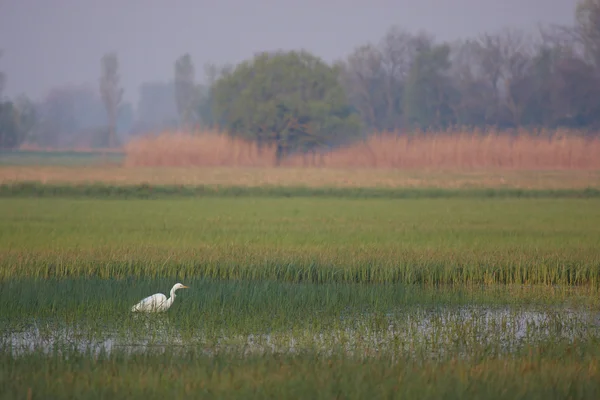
[253,318]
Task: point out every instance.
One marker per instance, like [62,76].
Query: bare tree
[361,75]
[375,76]
[581,40]
[2,79]
[185,90]
[112,94]
[476,103]
[399,50]
[587,29]
[506,58]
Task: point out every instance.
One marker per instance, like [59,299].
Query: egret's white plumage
[158,302]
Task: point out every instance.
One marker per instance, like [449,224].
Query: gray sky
[54,42]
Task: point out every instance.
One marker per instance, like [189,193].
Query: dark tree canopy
[292,100]
[17,120]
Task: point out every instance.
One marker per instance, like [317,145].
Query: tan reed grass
[202,149]
[561,149]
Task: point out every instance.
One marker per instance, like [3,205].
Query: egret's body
[158,302]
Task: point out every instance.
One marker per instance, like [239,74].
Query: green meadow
[320,240]
[300,296]
[70,158]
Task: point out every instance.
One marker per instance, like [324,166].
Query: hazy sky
[53,42]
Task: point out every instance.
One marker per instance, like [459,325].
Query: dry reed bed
[454,149]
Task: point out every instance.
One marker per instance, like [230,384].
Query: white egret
[158,302]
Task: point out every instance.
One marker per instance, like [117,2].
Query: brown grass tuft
[524,150]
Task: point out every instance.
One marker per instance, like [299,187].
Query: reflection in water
[418,332]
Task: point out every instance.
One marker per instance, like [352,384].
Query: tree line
[297,102]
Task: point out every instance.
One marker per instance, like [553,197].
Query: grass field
[549,372]
[305,282]
[300,297]
[70,158]
[411,241]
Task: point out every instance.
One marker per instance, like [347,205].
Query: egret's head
[179,286]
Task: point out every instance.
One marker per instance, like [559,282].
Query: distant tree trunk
[112,132]
[112,94]
[279,149]
[259,145]
[185,91]
[279,154]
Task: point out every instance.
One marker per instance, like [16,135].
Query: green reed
[427,241]
[151,191]
[300,297]
[108,298]
[248,339]
[220,316]
[542,372]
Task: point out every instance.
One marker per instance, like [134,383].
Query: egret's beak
[185,287]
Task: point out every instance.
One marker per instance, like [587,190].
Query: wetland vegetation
[419,218]
[318,297]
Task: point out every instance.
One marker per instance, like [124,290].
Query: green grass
[353,341]
[547,372]
[232,304]
[58,158]
[148,191]
[302,297]
[426,241]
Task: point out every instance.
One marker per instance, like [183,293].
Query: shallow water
[423,332]
[244,317]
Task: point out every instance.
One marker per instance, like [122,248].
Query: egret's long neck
[171,299]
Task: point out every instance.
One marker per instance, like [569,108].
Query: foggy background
[52,43]
[51,54]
